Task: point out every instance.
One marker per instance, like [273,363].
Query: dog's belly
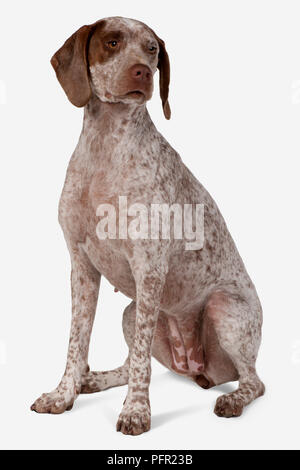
[111,263]
[180,350]
[190,349]
[183,292]
[179,295]
[187,353]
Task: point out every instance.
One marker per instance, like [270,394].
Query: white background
[235,99]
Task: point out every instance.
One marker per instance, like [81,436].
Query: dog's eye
[152,48]
[112,44]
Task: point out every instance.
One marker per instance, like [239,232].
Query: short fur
[197,312]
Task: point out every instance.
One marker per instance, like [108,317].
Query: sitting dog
[195,310]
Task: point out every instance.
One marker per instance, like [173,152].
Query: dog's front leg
[135,417]
[85,282]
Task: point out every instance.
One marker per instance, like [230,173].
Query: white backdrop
[235,99]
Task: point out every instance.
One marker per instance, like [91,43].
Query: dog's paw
[228,406]
[133,421]
[55,402]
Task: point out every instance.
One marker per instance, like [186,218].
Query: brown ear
[164,77]
[71,67]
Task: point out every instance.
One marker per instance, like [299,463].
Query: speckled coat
[195,311]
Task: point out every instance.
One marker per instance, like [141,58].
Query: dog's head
[114,58]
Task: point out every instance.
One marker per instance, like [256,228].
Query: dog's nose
[142,73]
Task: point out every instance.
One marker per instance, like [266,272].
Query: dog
[195,310]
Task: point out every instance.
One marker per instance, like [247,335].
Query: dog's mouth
[135,94]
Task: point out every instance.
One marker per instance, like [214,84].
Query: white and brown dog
[196,311]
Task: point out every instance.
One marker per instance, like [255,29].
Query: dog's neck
[112,132]
[114,118]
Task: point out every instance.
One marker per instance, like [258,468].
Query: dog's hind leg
[95,381]
[98,381]
[238,329]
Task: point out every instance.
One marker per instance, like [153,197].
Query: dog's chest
[89,187]
[103,168]
[78,218]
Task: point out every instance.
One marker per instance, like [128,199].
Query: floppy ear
[164,76]
[71,67]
